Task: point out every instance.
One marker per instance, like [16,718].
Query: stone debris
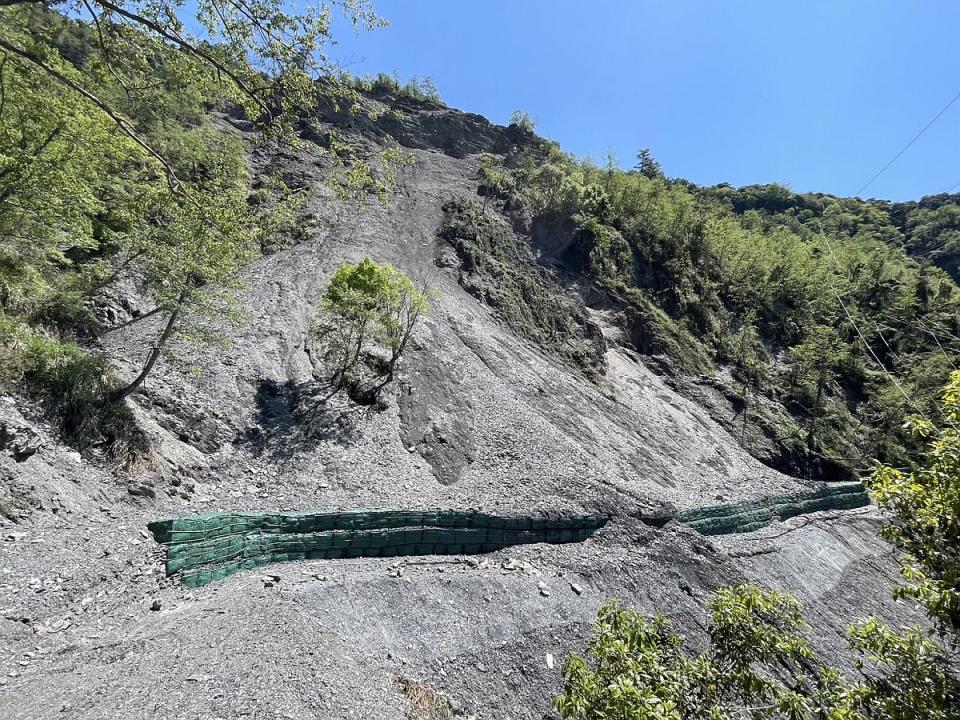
[544,443]
[141,490]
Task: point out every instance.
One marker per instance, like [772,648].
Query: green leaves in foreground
[759,664]
[925,510]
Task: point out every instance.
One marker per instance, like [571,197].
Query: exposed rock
[142,490]
[19,440]
[533,415]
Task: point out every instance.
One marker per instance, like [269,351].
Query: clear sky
[817,95]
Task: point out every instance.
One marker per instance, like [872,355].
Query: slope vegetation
[532,388]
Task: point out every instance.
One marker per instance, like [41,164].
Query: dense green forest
[841,309]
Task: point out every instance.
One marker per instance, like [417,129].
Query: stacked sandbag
[204,548]
[750,516]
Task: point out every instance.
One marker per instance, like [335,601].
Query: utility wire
[839,267]
[949,188]
[908,145]
[860,334]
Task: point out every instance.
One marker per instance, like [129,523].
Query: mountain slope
[481,416]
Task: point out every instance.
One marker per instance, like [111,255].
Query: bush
[924,508]
[423,90]
[759,664]
[368,305]
[522,120]
[72,386]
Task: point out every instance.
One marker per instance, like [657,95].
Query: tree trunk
[746,410]
[816,411]
[122,394]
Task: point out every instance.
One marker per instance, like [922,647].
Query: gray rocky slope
[478,418]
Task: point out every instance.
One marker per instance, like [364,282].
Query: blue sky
[816,95]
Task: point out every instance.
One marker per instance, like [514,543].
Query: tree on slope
[107,163]
[368,304]
[924,507]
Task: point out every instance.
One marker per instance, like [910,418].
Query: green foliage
[815,364]
[280,214]
[110,170]
[368,305]
[925,513]
[500,270]
[71,384]
[647,165]
[908,675]
[759,664]
[421,90]
[746,278]
[263,55]
[494,179]
[523,121]
[356,179]
[935,233]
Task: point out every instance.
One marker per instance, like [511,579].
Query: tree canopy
[759,665]
[924,506]
[112,168]
[368,305]
[815,302]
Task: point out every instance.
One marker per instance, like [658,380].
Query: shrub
[72,385]
[368,305]
[522,120]
[925,514]
[759,664]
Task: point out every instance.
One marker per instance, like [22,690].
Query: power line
[908,145]
[949,188]
[860,334]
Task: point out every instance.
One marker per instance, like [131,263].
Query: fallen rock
[141,490]
[19,440]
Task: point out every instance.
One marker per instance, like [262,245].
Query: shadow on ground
[297,417]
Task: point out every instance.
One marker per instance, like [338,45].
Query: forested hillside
[839,310]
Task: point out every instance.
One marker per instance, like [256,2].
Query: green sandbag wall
[209,547]
[746,517]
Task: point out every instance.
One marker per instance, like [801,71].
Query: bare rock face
[437,417]
[555,419]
